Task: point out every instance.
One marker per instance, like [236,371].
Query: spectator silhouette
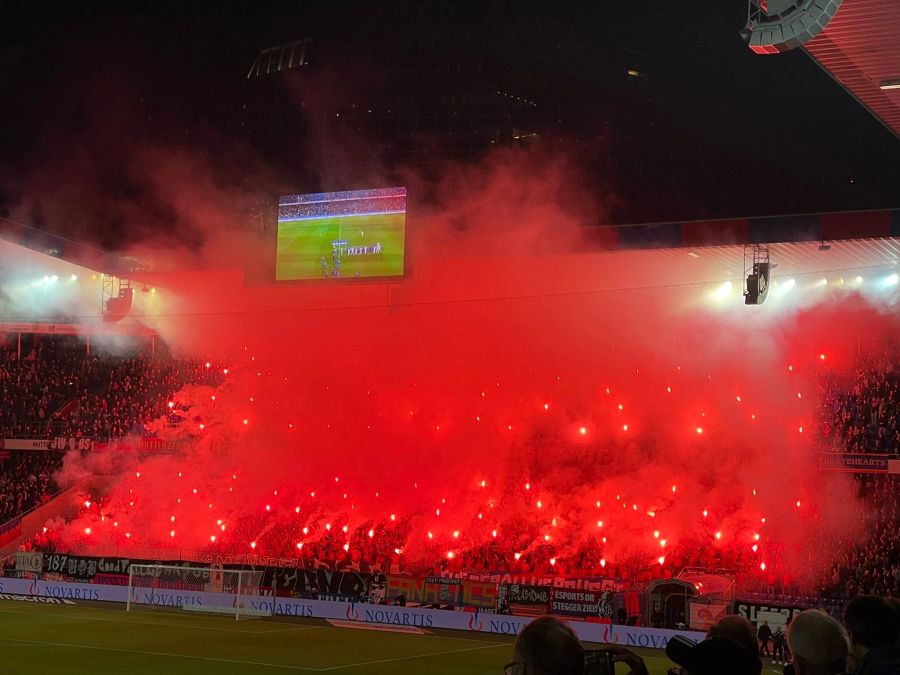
[819,644]
[873,624]
[547,646]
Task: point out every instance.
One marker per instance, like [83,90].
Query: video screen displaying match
[341,235]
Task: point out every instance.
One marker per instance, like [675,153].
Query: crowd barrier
[498,624]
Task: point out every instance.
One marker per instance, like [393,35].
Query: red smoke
[436,399]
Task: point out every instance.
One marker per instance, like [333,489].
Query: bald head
[819,644]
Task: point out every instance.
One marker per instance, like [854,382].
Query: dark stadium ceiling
[860,48]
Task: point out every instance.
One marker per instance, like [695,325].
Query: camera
[598,662]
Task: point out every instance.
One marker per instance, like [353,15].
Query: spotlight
[859,280]
[54,279]
[723,291]
[891,280]
[786,286]
[74,277]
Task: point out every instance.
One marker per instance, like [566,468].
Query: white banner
[31,561]
[629,636]
[58,443]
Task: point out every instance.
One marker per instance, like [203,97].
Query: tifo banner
[480,594]
[589,583]
[318,583]
[628,636]
[10,530]
[59,443]
[441,591]
[86,568]
[750,610]
[29,561]
[858,463]
[582,604]
[704,614]
[409,587]
[524,599]
[74,329]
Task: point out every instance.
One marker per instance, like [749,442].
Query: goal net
[197,589]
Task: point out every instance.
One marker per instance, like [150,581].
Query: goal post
[197,589]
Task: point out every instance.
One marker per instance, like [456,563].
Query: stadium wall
[497,624]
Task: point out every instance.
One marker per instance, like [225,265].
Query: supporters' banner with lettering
[325,584]
[589,583]
[749,610]
[479,594]
[854,462]
[441,591]
[59,443]
[409,587]
[87,568]
[523,599]
[583,604]
[322,583]
[29,561]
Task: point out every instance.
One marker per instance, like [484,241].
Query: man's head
[818,643]
[714,656]
[737,629]
[547,646]
[872,622]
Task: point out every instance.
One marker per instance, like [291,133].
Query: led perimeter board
[341,235]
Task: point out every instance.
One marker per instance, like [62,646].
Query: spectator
[778,645]
[738,630]
[819,644]
[547,646]
[873,624]
[764,634]
[715,656]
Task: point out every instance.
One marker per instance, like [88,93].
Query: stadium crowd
[57,388]
[345,207]
[861,412]
[26,480]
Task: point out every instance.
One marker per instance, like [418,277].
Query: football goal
[197,589]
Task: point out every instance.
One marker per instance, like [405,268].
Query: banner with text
[627,636]
[59,443]
[583,604]
[859,463]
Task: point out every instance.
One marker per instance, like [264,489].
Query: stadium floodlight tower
[756,274]
[776,26]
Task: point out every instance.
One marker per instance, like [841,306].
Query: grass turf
[97,637]
[303,243]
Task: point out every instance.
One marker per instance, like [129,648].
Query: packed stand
[26,480]
[57,388]
[859,412]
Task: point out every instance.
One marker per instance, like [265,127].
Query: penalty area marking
[38,643]
[387,628]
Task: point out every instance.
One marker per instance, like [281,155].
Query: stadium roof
[860,48]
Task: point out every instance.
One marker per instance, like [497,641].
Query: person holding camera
[547,646]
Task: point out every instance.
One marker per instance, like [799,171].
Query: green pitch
[104,638]
[303,243]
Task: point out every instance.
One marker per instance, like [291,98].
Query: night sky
[105,107]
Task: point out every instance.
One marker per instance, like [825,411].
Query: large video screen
[341,235]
